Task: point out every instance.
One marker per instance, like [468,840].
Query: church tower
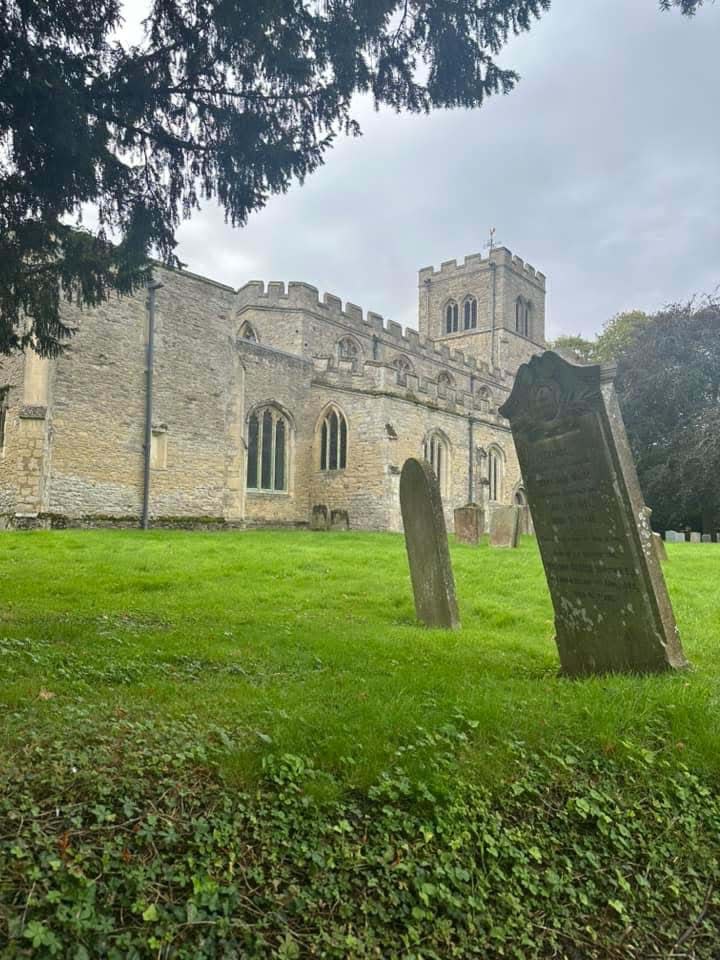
[492,308]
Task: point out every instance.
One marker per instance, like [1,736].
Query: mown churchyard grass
[243,742]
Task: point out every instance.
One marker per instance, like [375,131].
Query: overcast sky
[602,169]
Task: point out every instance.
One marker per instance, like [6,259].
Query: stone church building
[268,401]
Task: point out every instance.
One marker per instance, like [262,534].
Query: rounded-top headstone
[427,546]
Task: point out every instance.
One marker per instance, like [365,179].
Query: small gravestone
[319,519]
[469,523]
[659,547]
[339,520]
[427,546]
[694,537]
[612,610]
[673,536]
[504,525]
[706,538]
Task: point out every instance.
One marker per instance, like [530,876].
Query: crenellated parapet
[303,296]
[500,256]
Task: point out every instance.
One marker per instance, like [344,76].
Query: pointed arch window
[495,473]
[470,313]
[247,332]
[403,367]
[484,399]
[348,349]
[435,451]
[333,441]
[522,317]
[452,317]
[445,383]
[267,450]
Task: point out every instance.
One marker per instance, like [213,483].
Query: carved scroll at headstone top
[612,610]
[319,519]
[504,525]
[469,524]
[427,546]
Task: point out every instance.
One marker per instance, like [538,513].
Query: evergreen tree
[231,99]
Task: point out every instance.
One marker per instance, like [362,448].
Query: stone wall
[11,375]
[98,409]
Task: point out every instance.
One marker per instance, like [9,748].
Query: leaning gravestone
[612,610]
[469,522]
[427,546]
[504,525]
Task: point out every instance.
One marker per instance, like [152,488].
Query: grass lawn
[243,746]
[307,644]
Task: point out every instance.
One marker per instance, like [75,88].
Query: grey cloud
[601,169]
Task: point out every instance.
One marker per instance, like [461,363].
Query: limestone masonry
[269,402]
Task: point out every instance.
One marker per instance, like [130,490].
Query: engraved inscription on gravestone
[612,610]
[427,546]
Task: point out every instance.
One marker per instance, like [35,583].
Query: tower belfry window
[470,313]
[452,317]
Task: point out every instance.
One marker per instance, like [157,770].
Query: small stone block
[504,525]
[319,519]
[469,524]
[339,520]
[427,546]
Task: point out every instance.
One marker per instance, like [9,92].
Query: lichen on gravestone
[612,609]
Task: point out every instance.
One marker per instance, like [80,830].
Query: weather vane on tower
[492,243]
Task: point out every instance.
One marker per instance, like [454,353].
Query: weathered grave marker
[339,520]
[319,517]
[504,525]
[427,546]
[694,537]
[706,538]
[674,536]
[469,522]
[659,547]
[612,610]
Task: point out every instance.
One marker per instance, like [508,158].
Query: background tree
[669,389]
[575,344]
[230,99]
[618,334]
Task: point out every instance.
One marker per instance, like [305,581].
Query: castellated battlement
[303,296]
[382,377]
[500,256]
